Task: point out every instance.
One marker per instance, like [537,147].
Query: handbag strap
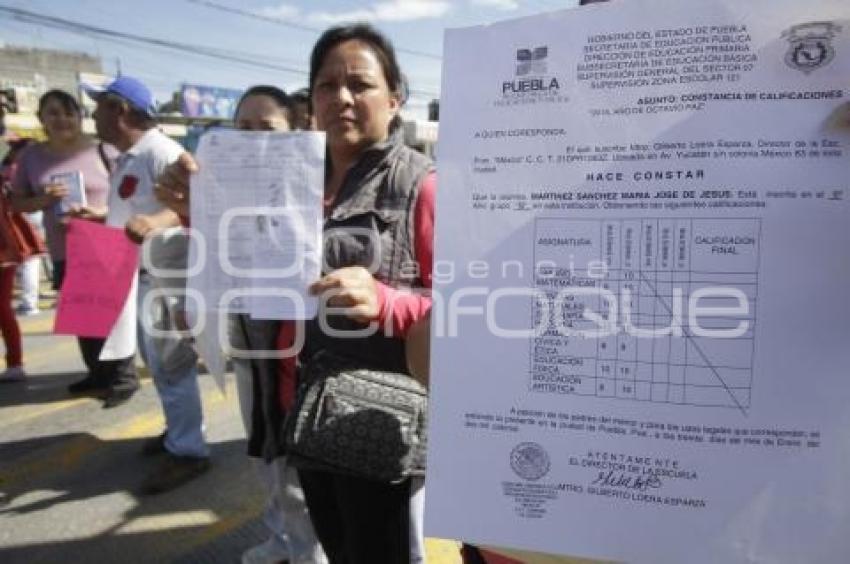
[107,164]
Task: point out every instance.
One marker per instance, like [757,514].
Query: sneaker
[173,472]
[269,552]
[117,396]
[154,446]
[13,374]
[88,385]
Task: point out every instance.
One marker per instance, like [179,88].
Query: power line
[248,59]
[287,23]
[253,15]
[86,29]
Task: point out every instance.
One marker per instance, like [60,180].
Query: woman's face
[259,112]
[351,98]
[60,123]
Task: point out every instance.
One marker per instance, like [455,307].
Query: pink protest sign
[101,264]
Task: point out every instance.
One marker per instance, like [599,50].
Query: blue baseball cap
[130,89]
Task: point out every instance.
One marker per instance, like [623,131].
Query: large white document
[257,223]
[641,326]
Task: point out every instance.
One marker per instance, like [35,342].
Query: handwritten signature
[623,480]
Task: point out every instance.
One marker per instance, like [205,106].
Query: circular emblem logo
[807,55]
[530,461]
[810,45]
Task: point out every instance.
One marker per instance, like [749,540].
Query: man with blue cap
[124,117]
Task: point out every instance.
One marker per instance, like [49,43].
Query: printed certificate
[641,321]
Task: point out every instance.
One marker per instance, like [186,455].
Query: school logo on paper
[530,461]
[531,82]
[531,61]
[810,45]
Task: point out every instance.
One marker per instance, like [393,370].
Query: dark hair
[376,41]
[300,96]
[279,96]
[68,102]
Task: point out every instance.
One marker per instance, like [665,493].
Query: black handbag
[358,421]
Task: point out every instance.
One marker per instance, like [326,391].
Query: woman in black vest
[379,197]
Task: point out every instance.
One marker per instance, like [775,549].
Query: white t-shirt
[131,192]
[131,183]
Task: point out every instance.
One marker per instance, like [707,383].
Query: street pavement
[70,470]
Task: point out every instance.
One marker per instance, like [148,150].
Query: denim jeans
[173,366]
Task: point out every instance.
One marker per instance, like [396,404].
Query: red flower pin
[128,186]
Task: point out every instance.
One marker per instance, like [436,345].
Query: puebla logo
[530,61]
[530,461]
[531,82]
[530,73]
[810,45]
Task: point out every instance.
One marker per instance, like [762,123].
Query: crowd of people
[137,179]
[319,506]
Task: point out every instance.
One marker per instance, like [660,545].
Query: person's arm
[398,310]
[141,225]
[22,197]
[29,204]
[417,349]
[366,300]
[89,213]
[172,186]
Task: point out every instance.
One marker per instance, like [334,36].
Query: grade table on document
[645,278]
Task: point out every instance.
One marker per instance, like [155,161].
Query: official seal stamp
[530,461]
[810,45]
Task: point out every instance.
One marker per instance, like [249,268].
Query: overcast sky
[415,27]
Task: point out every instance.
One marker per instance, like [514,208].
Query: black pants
[265,437]
[117,374]
[58,274]
[359,521]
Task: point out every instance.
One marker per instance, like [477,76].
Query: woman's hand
[353,289]
[89,213]
[172,186]
[141,226]
[53,193]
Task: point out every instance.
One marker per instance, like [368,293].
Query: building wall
[34,71]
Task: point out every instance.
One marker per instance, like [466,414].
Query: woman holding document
[379,213]
[292,538]
[66,175]
[378,247]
